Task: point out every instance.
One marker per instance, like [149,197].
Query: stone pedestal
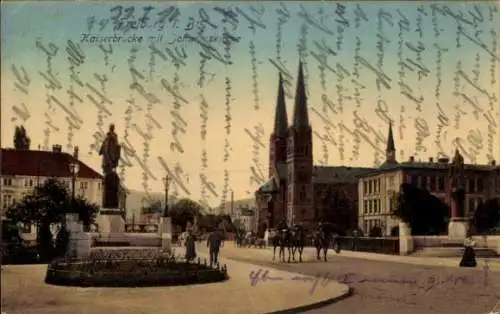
[79,244]
[458,228]
[111,221]
[165,232]
[406,245]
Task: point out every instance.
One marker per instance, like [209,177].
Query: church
[297,190]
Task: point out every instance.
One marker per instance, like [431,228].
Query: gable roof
[435,166]
[338,174]
[16,162]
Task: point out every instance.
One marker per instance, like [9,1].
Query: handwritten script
[163,72]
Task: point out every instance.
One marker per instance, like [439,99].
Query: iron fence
[385,245]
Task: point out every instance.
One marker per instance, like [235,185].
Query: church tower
[277,147]
[300,159]
[390,151]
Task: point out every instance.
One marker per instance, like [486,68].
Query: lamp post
[74,167]
[166,182]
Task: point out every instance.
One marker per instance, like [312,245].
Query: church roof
[422,165]
[269,187]
[280,116]
[300,114]
[338,174]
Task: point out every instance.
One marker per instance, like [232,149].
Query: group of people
[215,241]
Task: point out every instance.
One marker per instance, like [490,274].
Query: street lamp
[74,167]
[166,182]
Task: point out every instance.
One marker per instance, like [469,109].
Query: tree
[47,204]
[487,216]
[338,210]
[425,213]
[184,211]
[21,139]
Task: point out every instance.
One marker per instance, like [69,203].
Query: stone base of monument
[111,221]
[111,228]
[79,242]
[165,232]
[458,228]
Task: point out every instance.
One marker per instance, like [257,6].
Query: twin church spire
[301,117]
[300,113]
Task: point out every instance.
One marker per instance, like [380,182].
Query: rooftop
[338,174]
[15,162]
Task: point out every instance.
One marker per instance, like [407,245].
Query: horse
[281,239]
[323,236]
[298,241]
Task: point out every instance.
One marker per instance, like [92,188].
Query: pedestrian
[266,238]
[214,243]
[190,246]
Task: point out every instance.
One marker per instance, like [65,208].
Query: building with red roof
[22,170]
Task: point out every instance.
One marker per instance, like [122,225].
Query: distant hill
[246,202]
[135,202]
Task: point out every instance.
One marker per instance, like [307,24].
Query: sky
[192,87]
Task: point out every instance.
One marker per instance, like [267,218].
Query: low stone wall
[492,242]
[132,238]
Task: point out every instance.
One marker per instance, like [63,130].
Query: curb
[310,306]
[314,306]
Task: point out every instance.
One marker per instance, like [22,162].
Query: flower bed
[161,271]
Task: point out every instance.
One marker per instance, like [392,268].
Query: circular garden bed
[165,271]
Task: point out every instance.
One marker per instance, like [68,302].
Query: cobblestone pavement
[383,287]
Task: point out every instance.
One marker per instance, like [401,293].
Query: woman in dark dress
[190,246]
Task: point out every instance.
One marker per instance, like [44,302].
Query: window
[302,176]
[365,188]
[7,201]
[365,207]
[391,182]
[303,193]
[441,183]
[423,182]
[370,182]
[472,185]
[432,184]
[375,206]
[414,180]
[472,205]
[7,181]
[479,184]
[84,185]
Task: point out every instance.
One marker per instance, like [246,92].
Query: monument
[458,226]
[111,220]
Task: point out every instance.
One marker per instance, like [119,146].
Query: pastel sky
[444,56]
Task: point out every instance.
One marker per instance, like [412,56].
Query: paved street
[388,287]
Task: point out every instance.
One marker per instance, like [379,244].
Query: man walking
[214,243]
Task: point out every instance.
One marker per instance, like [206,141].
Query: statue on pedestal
[457,191]
[110,152]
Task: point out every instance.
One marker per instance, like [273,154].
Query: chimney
[431,160]
[75,153]
[412,159]
[56,148]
